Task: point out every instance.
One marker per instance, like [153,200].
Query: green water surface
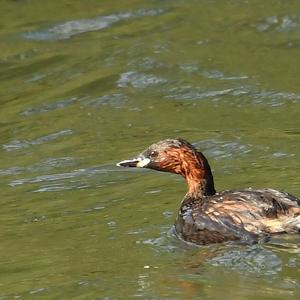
[85,84]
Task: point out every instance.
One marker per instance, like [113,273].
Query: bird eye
[153,154]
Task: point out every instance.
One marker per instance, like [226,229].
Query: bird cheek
[143,163]
[177,169]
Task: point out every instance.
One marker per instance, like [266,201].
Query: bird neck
[199,178]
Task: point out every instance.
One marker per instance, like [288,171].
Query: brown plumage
[204,217]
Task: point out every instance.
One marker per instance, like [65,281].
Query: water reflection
[233,266]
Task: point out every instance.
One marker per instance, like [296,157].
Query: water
[85,84]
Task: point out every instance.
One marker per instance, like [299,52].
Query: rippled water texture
[85,84]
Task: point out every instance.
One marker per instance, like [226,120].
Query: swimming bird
[206,216]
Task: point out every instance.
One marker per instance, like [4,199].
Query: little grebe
[204,217]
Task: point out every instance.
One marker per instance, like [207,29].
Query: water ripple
[278,24]
[193,67]
[190,93]
[71,28]
[11,171]
[17,144]
[264,97]
[51,163]
[139,80]
[251,259]
[216,74]
[77,179]
[49,107]
[44,165]
[60,187]
[222,149]
[45,178]
[114,100]
[55,177]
